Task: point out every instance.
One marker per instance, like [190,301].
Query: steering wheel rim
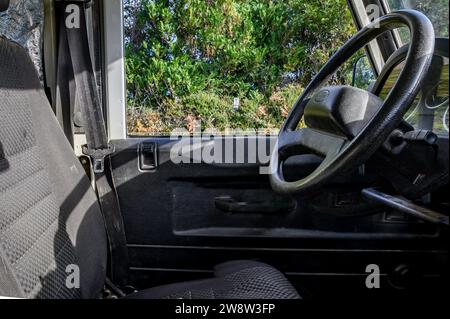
[341,154]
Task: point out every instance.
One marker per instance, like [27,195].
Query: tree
[183,52]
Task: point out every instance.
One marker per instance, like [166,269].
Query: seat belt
[98,147]
[64,98]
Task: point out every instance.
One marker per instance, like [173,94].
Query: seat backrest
[50,222]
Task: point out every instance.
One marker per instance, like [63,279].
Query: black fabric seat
[49,215]
[234,280]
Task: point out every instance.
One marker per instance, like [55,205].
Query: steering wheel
[346,125]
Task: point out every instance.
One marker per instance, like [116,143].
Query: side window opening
[236,67]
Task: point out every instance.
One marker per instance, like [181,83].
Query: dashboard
[418,168]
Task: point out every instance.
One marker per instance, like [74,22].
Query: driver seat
[50,219]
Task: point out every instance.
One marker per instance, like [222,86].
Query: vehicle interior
[362,184]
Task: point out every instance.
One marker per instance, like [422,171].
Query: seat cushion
[50,221]
[233,280]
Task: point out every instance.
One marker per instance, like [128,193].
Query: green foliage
[364,75]
[189,59]
[213,111]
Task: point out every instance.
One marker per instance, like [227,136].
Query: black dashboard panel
[417,168]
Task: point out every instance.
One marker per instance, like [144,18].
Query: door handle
[230,205]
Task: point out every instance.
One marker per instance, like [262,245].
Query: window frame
[378,51]
[114,69]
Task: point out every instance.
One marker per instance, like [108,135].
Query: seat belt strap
[64,99]
[98,147]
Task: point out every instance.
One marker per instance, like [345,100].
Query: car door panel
[179,223]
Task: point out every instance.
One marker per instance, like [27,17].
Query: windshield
[435,10]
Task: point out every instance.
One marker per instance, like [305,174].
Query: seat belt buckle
[98,157]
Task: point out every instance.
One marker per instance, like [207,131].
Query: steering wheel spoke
[307,141]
